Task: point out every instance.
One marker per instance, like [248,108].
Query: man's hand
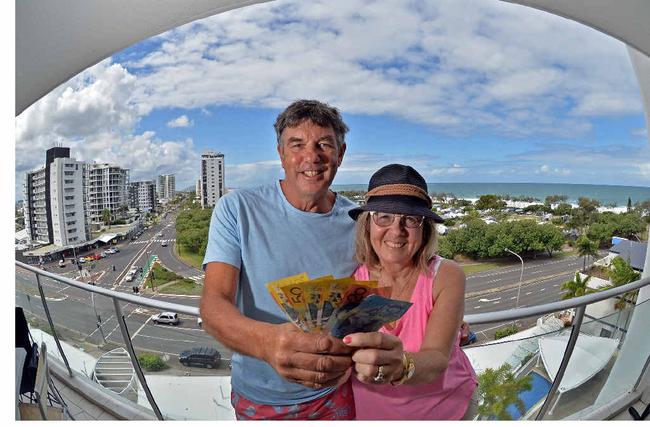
[313,360]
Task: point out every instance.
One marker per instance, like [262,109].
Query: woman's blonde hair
[364,253]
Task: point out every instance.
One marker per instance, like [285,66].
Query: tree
[106,217]
[555,198]
[551,237]
[498,389]
[490,201]
[622,273]
[576,287]
[586,248]
[563,209]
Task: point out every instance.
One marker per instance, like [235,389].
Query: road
[87,318]
[93,318]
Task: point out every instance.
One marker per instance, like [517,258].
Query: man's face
[310,158]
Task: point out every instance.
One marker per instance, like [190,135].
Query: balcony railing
[562,393]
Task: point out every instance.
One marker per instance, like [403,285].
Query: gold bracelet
[408,364]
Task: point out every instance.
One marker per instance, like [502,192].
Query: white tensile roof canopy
[590,356]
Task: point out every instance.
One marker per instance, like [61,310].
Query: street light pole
[521,276]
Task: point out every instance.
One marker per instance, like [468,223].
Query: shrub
[504,332]
[151,362]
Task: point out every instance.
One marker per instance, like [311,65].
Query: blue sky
[465,91]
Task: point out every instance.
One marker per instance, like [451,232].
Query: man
[264,234]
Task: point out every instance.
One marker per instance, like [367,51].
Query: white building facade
[142,196]
[67,202]
[36,217]
[54,201]
[212,179]
[166,187]
[106,187]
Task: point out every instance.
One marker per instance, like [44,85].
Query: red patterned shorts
[338,405]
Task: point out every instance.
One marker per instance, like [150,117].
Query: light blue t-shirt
[259,232]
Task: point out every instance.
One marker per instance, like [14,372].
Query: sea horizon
[606,194]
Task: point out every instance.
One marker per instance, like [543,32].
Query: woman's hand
[378,359]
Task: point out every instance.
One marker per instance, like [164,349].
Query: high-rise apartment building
[212,178]
[105,188]
[142,196]
[54,200]
[166,187]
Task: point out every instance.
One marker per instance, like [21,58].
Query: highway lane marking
[489,300]
[513,298]
[167,339]
[542,290]
[528,293]
[478,306]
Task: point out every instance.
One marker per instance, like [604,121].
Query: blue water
[540,388]
[606,194]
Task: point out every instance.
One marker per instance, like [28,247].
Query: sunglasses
[383,219]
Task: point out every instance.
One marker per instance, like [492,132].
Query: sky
[464,91]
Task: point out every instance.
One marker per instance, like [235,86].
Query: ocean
[605,194]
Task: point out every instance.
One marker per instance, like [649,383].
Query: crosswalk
[197,279]
[140,242]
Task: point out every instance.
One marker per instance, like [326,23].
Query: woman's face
[395,244]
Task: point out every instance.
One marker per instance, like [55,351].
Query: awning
[590,356]
[106,237]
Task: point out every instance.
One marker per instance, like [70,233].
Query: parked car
[115,249]
[202,357]
[167,317]
[61,263]
[104,254]
[81,260]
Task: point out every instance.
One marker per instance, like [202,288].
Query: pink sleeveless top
[447,398]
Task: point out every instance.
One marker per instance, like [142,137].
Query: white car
[167,317]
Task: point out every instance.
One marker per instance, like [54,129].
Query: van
[202,357]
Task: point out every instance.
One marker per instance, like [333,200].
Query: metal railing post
[134,359]
[577,322]
[49,320]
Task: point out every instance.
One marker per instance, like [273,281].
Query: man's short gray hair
[318,112]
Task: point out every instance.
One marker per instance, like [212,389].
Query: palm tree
[586,248]
[498,389]
[576,287]
[106,217]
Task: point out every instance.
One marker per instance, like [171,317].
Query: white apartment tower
[166,187]
[105,188]
[54,200]
[142,196]
[212,178]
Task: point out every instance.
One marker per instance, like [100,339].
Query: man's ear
[341,153]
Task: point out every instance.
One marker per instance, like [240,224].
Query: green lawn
[182,287]
[190,258]
[481,267]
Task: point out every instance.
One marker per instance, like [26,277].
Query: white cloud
[94,115]
[180,122]
[458,65]
[466,67]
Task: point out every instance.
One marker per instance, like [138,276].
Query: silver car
[167,317]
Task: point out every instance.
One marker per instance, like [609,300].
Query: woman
[413,369]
